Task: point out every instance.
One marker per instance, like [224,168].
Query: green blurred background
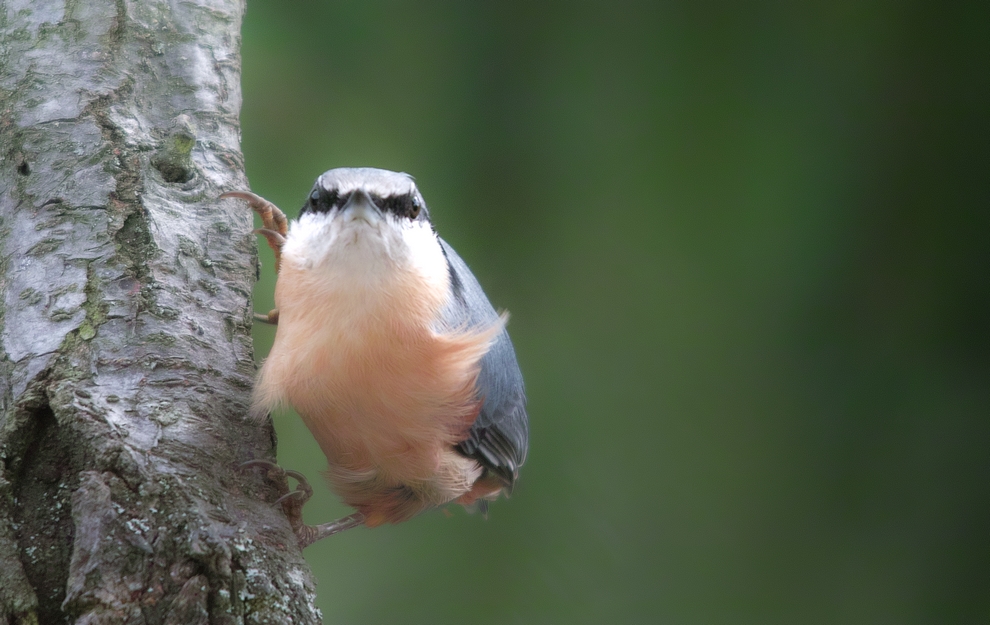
[746,248]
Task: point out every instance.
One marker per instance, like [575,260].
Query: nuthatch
[391,353]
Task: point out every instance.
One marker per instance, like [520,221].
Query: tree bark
[126,360]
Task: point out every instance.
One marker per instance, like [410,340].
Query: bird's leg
[275,228]
[293,502]
[309,534]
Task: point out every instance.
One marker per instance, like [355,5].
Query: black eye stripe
[407,205]
[401,205]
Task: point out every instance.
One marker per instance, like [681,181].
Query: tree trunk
[126,360]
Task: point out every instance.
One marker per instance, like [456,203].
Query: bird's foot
[275,226]
[292,504]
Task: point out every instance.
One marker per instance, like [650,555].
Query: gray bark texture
[126,361]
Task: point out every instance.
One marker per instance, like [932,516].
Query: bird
[391,353]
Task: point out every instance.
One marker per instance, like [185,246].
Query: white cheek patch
[310,239]
[424,256]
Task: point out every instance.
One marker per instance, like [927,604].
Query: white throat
[364,249]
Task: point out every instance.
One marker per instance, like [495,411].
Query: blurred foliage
[746,248]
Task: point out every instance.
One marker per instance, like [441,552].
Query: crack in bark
[42,523]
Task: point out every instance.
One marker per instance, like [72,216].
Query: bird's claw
[271,216]
[303,490]
[275,228]
[293,501]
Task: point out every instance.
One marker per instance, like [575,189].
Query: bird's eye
[400,206]
[314,199]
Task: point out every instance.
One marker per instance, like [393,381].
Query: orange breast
[385,395]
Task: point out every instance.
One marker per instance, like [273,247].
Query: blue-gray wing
[499,437]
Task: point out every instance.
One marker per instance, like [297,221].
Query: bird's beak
[360,206]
